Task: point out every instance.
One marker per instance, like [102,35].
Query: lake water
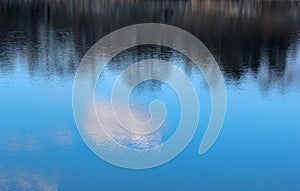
[256,44]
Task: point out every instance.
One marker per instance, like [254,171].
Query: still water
[256,44]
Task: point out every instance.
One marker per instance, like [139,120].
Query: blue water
[257,149]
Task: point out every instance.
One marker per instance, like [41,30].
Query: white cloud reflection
[115,130]
[26,180]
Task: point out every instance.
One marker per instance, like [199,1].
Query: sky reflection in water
[41,45]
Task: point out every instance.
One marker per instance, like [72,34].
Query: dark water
[256,44]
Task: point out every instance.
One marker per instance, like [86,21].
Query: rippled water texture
[256,44]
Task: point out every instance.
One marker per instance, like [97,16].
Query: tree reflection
[52,36]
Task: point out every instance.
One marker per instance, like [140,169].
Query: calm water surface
[256,44]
